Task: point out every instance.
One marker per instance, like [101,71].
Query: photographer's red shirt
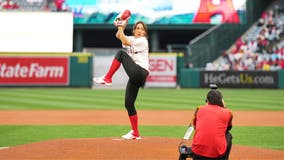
[211,124]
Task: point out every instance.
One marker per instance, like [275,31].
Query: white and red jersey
[138,51]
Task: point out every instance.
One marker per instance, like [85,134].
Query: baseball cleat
[130,136]
[102,80]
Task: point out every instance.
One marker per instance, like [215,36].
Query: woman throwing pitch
[136,64]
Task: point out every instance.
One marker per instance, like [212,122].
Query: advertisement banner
[163,70]
[27,70]
[162,12]
[240,79]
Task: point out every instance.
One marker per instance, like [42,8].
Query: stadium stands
[260,48]
[29,5]
[9,5]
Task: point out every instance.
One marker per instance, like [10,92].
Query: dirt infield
[119,117]
[149,148]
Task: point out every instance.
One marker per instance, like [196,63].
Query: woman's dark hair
[144,26]
[215,97]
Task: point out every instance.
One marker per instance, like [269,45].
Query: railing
[211,44]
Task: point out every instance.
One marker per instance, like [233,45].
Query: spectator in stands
[9,5]
[260,22]
[266,64]
[252,46]
[59,5]
[256,50]
[275,65]
[270,23]
[281,63]
[262,42]
[258,62]
[238,45]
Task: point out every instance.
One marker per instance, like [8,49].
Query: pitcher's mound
[149,148]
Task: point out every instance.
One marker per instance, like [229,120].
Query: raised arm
[121,36]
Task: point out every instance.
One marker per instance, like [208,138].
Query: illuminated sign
[158,11]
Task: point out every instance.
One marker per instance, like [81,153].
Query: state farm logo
[32,70]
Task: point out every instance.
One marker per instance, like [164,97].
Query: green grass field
[148,99]
[154,99]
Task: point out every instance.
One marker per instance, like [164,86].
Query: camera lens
[213,86]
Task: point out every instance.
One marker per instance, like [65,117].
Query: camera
[184,152]
[213,86]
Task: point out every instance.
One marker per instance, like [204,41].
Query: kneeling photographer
[212,123]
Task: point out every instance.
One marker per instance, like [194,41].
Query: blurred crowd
[33,5]
[260,48]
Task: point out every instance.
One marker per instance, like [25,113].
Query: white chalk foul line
[118,139]
[121,139]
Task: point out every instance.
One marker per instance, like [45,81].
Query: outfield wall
[77,70]
[195,78]
[46,69]
[164,69]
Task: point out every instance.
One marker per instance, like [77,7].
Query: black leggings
[137,77]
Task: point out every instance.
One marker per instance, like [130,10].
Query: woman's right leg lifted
[120,57]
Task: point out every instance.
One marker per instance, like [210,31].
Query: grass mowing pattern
[249,136]
[263,137]
[154,99]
